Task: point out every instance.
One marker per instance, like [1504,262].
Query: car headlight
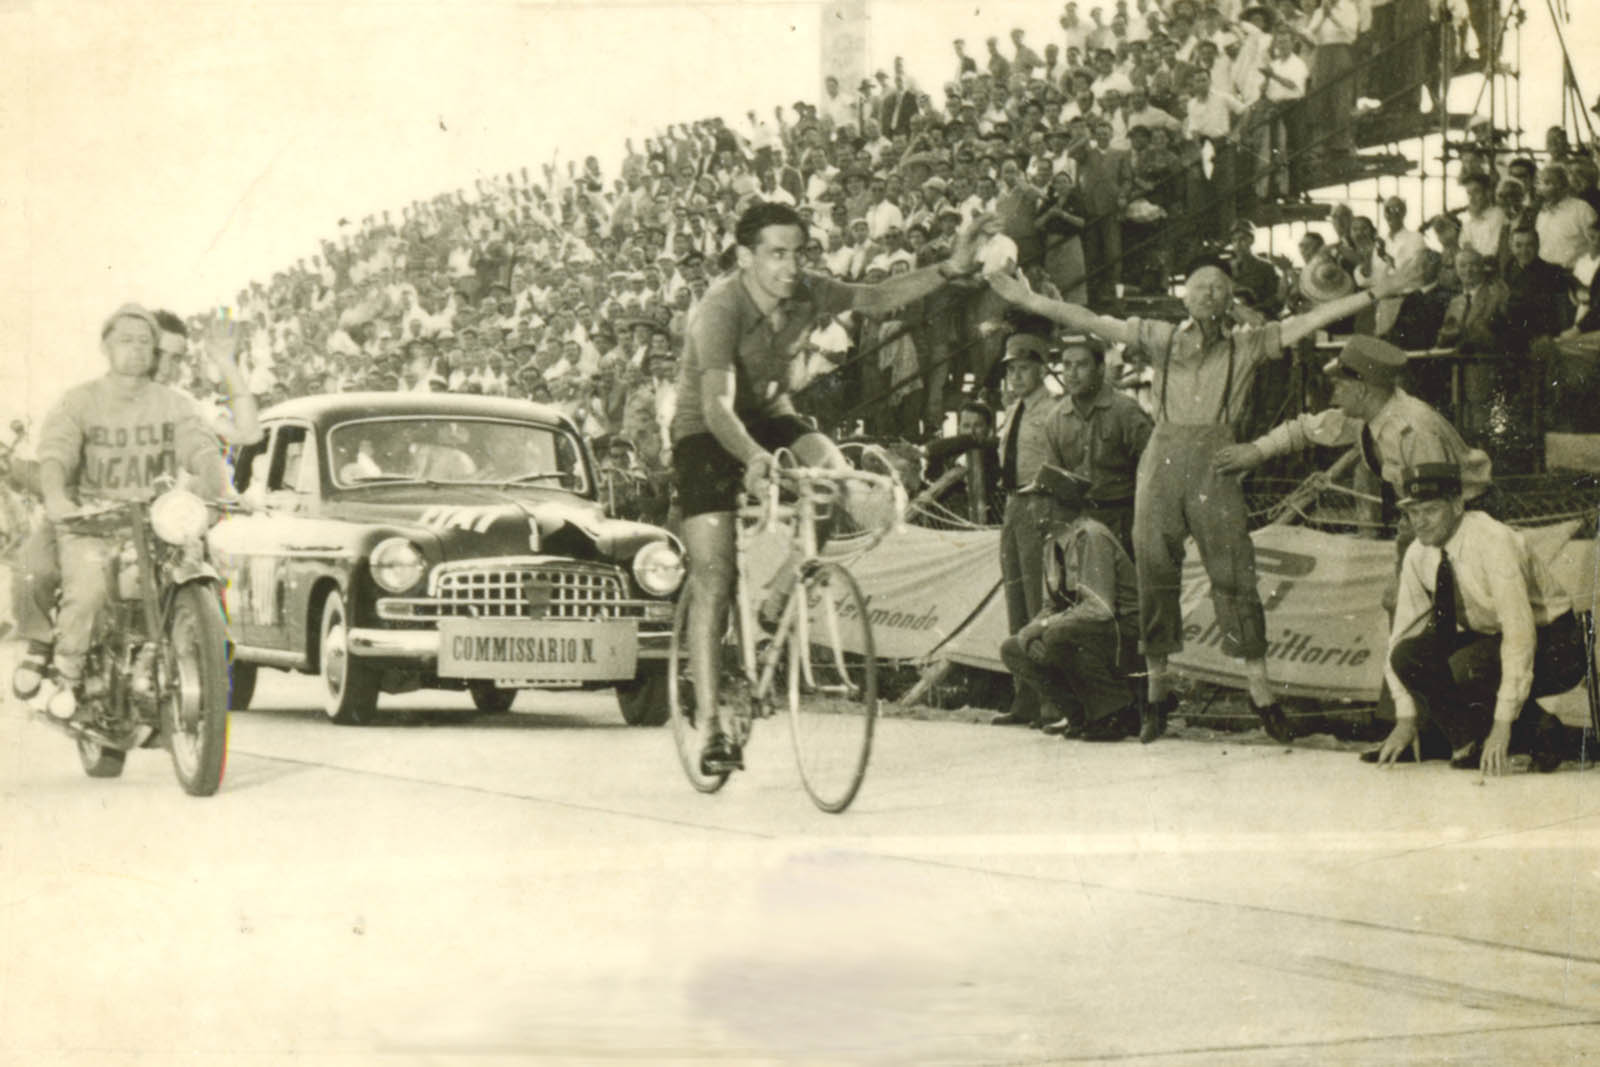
[658,568]
[396,564]
[179,517]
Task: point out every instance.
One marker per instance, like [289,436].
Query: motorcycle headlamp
[396,564]
[179,517]
[658,568]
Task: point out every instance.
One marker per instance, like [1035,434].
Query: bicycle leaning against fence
[819,659]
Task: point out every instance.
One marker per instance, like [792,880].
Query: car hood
[490,522]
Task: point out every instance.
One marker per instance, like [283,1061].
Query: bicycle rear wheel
[687,736]
[833,686]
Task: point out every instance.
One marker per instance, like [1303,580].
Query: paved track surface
[544,887]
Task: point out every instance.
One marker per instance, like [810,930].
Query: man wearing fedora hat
[1203,368]
[1075,654]
[1481,629]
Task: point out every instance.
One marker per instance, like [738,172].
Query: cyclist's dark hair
[757,217]
[170,323]
[982,410]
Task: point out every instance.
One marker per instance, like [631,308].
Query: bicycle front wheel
[686,733]
[833,686]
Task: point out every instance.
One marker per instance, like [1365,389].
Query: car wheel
[643,699]
[490,698]
[350,686]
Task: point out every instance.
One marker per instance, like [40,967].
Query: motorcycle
[157,668]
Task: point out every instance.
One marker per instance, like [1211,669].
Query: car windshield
[453,450]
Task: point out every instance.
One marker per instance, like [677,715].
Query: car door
[257,550]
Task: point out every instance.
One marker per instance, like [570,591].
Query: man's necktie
[1369,449]
[1444,598]
[1008,467]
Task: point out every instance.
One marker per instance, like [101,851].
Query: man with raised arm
[1203,368]
[734,410]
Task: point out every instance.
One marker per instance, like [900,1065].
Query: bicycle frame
[793,629]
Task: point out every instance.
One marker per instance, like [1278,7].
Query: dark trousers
[1030,519]
[1072,667]
[1456,680]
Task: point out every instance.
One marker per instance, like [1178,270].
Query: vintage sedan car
[394,541]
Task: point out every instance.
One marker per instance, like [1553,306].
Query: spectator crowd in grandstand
[1138,140]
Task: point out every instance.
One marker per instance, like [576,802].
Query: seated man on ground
[1480,630]
[1076,654]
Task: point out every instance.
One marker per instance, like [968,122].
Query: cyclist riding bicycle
[734,410]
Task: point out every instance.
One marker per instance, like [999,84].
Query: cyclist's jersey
[727,329]
[114,439]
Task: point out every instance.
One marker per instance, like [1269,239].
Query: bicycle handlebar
[820,482]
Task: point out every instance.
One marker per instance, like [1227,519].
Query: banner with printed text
[935,593]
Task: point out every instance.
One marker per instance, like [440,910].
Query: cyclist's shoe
[720,755]
[30,672]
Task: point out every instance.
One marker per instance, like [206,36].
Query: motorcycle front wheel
[194,710]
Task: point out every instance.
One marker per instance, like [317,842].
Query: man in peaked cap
[1481,629]
[1031,438]
[1396,432]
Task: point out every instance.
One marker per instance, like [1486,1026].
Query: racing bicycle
[819,660]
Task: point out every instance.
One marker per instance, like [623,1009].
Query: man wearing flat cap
[1203,368]
[1480,631]
[1032,437]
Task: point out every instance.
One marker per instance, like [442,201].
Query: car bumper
[422,646]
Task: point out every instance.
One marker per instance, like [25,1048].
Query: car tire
[490,698]
[350,695]
[643,699]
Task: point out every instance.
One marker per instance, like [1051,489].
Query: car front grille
[530,591]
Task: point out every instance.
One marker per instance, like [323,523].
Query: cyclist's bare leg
[709,540]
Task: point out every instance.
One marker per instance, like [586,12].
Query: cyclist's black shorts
[709,477]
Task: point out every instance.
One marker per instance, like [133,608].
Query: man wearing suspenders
[1203,368]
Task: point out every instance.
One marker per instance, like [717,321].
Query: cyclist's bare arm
[902,289]
[716,404]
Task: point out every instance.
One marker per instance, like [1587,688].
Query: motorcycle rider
[112,436]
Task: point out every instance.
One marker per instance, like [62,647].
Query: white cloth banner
[933,592]
[921,585]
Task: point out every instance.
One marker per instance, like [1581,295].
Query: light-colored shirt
[1562,228]
[1192,383]
[1505,589]
[1405,432]
[1039,438]
[1337,25]
[1482,232]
